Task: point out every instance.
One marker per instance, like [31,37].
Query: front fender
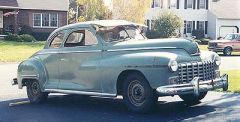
[153,65]
[31,69]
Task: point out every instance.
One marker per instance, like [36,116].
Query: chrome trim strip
[145,48]
[79,92]
[29,76]
[64,52]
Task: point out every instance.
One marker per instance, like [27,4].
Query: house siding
[193,14]
[212,22]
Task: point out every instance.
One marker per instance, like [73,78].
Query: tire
[138,95]
[35,95]
[191,99]
[227,51]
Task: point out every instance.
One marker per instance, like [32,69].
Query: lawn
[18,51]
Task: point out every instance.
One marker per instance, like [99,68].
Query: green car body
[100,69]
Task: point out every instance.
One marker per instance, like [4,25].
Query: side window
[57,40]
[80,38]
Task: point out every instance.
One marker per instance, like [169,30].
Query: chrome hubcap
[35,88]
[136,93]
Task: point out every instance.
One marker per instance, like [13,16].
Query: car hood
[147,44]
[219,41]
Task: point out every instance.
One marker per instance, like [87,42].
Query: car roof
[101,23]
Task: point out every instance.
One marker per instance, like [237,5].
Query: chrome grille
[203,70]
[212,45]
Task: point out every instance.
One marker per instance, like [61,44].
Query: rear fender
[29,70]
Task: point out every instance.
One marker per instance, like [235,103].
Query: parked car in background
[107,58]
[227,45]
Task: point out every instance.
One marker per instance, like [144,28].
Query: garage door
[226,30]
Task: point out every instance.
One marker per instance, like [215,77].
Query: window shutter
[185,4]
[169,4]
[193,26]
[207,4]
[198,4]
[185,27]
[197,25]
[194,4]
[177,4]
[153,4]
[206,27]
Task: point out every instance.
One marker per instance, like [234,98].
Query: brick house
[41,16]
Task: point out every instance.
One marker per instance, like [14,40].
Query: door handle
[62,59]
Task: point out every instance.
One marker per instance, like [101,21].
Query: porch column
[15,26]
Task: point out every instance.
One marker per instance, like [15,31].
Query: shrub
[26,30]
[12,37]
[199,34]
[167,24]
[152,34]
[27,38]
[20,38]
[41,36]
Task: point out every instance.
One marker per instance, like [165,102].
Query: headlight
[217,60]
[173,65]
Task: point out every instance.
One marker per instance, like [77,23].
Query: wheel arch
[123,75]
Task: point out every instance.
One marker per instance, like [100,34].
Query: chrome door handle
[62,59]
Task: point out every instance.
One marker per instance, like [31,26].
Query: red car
[230,43]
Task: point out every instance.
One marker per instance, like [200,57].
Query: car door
[238,43]
[50,59]
[79,60]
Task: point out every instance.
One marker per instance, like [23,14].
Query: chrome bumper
[194,87]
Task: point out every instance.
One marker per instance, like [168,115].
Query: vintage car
[106,58]
[227,45]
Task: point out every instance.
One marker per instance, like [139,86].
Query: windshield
[120,33]
[231,36]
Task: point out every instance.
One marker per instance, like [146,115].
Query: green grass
[18,51]
[203,47]
[234,80]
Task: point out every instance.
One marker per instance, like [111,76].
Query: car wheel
[138,95]
[192,99]
[227,51]
[35,95]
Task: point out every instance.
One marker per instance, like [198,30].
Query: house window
[201,25]
[189,3]
[189,26]
[156,3]
[53,20]
[172,3]
[202,4]
[37,19]
[45,20]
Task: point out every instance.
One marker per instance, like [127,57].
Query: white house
[215,17]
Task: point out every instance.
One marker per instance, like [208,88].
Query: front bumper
[194,87]
[215,49]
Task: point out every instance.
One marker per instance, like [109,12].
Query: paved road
[214,107]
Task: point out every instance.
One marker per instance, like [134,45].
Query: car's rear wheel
[227,51]
[192,99]
[138,95]
[35,95]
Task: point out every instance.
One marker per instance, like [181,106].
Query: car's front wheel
[138,95]
[35,95]
[192,99]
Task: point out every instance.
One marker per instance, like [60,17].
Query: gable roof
[8,4]
[226,9]
[58,5]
